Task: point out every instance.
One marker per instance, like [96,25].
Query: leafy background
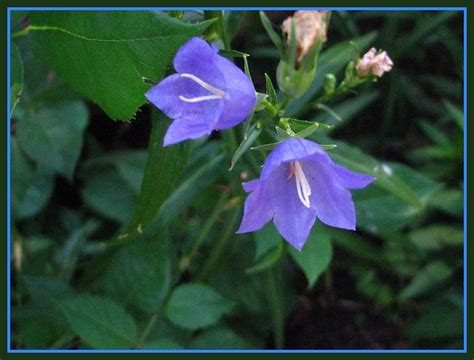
[118,242]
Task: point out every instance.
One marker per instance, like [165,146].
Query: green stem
[276,308]
[186,260]
[148,327]
[220,246]
[340,90]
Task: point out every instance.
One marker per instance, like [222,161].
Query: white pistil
[302,185]
[217,93]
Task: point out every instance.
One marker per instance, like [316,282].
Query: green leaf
[387,177]
[102,323]
[16,77]
[195,306]
[52,136]
[130,165]
[184,194]
[163,170]
[39,321]
[380,207]
[139,274]
[315,256]
[437,236]
[31,188]
[272,95]
[270,248]
[450,201]
[109,195]
[68,256]
[428,278]
[253,134]
[232,21]
[330,61]
[347,109]
[220,338]
[266,239]
[276,39]
[455,113]
[438,320]
[105,55]
[41,85]
[271,258]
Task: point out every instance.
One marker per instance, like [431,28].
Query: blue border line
[114,351]
[8,181]
[56,8]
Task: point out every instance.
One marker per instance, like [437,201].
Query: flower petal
[258,210]
[184,129]
[292,219]
[331,201]
[290,150]
[166,97]
[197,57]
[240,97]
[350,179]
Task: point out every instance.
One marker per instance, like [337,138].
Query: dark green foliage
[118,242]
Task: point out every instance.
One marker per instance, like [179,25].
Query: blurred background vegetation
[396,283]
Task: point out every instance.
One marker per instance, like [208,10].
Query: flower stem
[220,246]
[148,328]
[276,307]
[186,260]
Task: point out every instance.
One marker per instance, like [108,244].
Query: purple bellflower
[299,183]
[208,93]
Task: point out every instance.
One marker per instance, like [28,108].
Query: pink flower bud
[374,63]
[311,28]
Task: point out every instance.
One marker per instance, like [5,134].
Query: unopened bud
[311,30]
[374,63]
[329,84]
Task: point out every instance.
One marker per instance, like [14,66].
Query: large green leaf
[16,77]
[315,256]
[163,169]
[195,306]
[101,322]
[52,135]
[107,54]
[139,274]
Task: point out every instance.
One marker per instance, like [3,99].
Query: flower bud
[310,28]
[297,68]
[329,84]
[374,63]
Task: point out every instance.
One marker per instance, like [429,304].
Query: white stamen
[218,93]
[302,185]
[199,98]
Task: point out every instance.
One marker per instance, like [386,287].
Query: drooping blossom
[311,29]
[299,183]
[374,63]
[207,93]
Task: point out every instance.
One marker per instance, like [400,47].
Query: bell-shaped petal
[208,93]
[300,183]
